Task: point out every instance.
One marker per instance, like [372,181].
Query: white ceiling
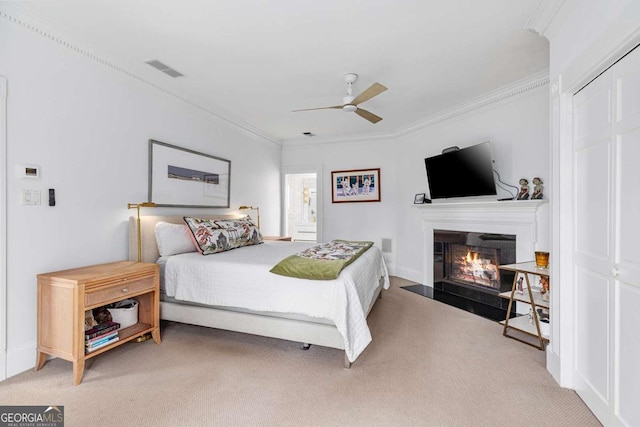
[253,61]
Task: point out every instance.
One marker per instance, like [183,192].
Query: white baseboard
[391,269]
[409,274]
[3,365]
[21,359]
[553,366]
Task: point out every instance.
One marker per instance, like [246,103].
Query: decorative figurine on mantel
[537,188]
[524,190]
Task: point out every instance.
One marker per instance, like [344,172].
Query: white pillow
[173,239]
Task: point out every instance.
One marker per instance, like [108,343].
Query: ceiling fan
[350,102]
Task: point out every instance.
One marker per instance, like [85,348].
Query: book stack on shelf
[101,335]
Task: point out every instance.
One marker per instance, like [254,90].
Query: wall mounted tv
[461,173]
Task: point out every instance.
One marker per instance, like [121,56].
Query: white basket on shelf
[125,313]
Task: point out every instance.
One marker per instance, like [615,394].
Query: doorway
[301,206]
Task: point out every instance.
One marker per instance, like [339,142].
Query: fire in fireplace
[477,265]
[466,272]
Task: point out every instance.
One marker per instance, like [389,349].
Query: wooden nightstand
[280,238]
[64,296]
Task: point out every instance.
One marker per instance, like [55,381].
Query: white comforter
[241,278]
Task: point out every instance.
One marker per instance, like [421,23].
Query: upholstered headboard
[148,235]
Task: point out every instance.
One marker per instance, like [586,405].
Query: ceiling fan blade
[373,90]
[368,115]
[321,108]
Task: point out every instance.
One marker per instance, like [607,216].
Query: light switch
[30,197]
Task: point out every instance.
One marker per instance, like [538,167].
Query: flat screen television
[461,173]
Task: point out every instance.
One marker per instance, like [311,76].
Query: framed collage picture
[357,185]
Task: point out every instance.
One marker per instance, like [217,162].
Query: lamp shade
[257,209]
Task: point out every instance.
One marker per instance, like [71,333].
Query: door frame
[299,169]
[3,229]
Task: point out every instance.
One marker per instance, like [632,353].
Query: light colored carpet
[429,365]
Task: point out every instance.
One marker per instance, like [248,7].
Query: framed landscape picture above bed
[182,177]
[359,185]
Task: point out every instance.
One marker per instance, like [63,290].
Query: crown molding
[306,141]
[543,16]
[505,92]
[12,12]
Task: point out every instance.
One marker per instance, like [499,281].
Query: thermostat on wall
[27,171]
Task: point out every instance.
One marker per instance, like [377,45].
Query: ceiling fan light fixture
[350,78]
[350,103]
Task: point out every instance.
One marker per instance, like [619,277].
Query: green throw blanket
[322,262]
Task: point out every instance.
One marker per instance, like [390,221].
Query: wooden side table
[280,238]
[533,298]
[64,296]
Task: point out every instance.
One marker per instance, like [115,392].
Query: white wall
[358,221]
[518,128]
[580,28]
[87,126]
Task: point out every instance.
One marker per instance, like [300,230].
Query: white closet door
[626,265]
[593,147]
[607,255]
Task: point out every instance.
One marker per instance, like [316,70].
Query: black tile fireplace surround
[460,290]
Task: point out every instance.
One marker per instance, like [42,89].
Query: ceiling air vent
[308,134]
[164,68]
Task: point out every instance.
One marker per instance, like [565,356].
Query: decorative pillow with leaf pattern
[218,235]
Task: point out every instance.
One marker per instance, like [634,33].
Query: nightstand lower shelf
[126,335]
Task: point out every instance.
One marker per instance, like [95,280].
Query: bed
[330,313]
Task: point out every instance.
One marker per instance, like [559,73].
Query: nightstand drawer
[118,291]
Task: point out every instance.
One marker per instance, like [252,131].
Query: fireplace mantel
[518,217]
[523,206]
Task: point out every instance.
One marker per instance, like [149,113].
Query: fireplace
[524,219]
[466,274]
